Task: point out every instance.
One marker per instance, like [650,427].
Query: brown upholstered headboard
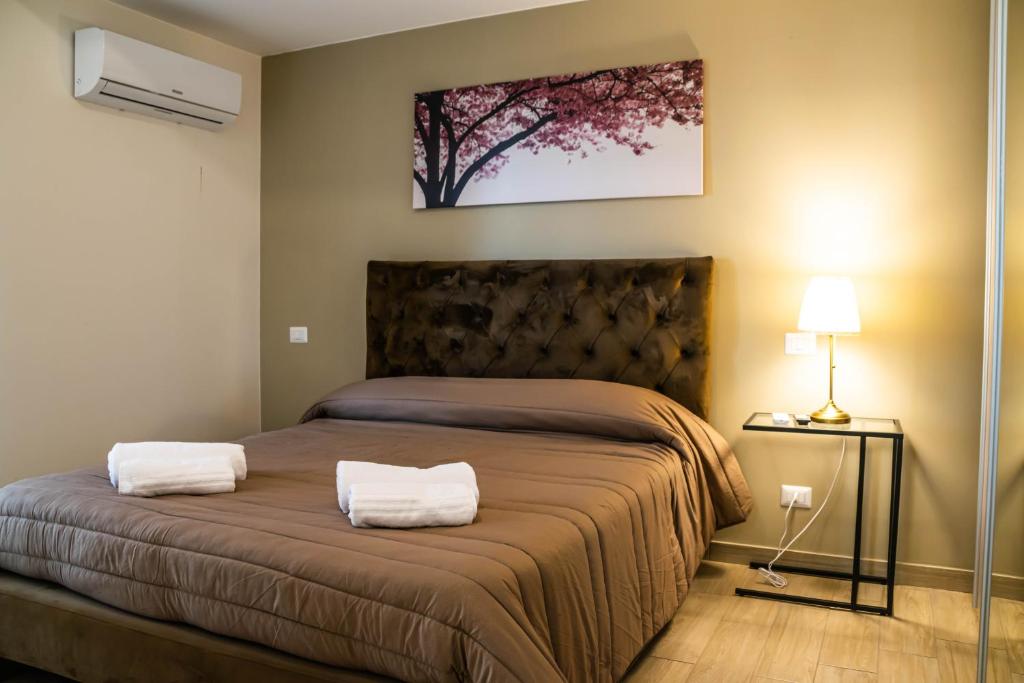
[642,322]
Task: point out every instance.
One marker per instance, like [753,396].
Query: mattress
[597,502]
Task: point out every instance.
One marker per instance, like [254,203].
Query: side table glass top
[857,426]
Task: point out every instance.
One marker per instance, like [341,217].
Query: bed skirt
[51,628]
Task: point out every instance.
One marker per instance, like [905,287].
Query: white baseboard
[909,573]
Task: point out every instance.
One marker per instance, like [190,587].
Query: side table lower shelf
[852,605]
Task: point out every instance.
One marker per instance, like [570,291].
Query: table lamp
[830,307]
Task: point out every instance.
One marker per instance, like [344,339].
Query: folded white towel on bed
[174,450]
[411,504]
[351,472]
[160,477]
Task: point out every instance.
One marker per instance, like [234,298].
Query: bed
[576,389]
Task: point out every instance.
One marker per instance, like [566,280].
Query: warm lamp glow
[830,307]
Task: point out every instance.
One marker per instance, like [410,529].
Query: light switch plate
[298,335]
[801,343]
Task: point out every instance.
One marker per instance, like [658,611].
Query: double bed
[575,389]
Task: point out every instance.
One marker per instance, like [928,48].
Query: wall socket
[801,493]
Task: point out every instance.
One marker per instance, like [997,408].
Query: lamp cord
[768,573]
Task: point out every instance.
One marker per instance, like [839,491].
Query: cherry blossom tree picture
[626,132]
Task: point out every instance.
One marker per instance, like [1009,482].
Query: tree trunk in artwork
[464,134]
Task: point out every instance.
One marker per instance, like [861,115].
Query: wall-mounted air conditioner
[127,74]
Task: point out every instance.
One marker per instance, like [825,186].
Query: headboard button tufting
[587,319]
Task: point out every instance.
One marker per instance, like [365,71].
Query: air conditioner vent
[127,74]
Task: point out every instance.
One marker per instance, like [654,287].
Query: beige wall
[844,136]
[129,253]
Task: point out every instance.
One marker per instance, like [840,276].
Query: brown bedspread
[597,502]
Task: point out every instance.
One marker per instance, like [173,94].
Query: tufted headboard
[642,322]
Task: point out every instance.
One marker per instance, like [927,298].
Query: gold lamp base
[830,413]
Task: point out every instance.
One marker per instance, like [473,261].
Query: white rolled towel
[352,472]
[411,504]
[174,450]
[164,476]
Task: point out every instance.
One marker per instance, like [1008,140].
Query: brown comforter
[597,501]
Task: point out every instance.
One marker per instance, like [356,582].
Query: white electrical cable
[774,579]
[778,580]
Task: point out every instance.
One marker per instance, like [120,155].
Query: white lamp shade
[830,307]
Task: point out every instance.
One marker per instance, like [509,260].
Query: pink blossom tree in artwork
[465,134]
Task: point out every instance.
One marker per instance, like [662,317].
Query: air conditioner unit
[130,75]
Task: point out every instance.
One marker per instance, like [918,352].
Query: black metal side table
[865,428]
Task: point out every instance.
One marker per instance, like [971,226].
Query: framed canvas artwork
[626,132]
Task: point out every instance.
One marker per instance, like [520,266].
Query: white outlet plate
[801,493]
[801,343]
[298,335]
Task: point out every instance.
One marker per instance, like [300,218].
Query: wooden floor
[721,638]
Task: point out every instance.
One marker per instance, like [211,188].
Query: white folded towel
[351,472]
[411,504]
[159,477]
[171,450]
